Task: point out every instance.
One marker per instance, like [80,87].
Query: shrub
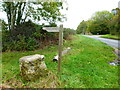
[32,44]
[3,25]
[20,44]
[24,29]
[30,36]
[67,32]
[23,37]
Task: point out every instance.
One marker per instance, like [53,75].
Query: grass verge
[111,36]
[85,66]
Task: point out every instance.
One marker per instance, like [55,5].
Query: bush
[29,36]
[24,37]
[24,29]
[67,32]
[22,43]
[3,25]
[32,44]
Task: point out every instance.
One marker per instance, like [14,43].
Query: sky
[83,9]
[79,10]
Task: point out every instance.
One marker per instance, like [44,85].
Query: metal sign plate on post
[60,30]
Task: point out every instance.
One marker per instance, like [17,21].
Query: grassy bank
[111,36]
[85,66]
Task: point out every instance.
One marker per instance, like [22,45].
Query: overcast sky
[82,10]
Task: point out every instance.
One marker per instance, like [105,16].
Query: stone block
[32,67]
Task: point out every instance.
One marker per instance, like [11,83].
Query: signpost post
[60,30]
[60,46]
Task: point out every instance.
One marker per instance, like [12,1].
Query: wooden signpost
[60,30]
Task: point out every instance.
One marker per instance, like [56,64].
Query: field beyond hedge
[111,36]
[85,66]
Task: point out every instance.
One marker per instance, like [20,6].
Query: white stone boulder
[63,53]
[32,67]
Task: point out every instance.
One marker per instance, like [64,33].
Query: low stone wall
[32,67]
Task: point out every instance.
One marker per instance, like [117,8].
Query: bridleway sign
[60,30]
[51,29]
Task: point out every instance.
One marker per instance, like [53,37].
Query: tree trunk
[12,18]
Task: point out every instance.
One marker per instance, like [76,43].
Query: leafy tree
[102,15]
[19,12]
[23,33]
[115,22]
[82,27]
[100,22]
[114,25]
[3,25]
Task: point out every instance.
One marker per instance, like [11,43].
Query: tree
[100,22]
[82,27]
[19,12]
[115,22]
[3,25]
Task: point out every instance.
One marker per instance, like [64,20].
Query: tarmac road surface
[111,42]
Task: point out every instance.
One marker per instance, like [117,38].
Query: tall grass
[85,66]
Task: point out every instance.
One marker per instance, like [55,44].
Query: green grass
[111,36]
[85,66]
[0,68]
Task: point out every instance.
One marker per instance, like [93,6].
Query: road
[110,42]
